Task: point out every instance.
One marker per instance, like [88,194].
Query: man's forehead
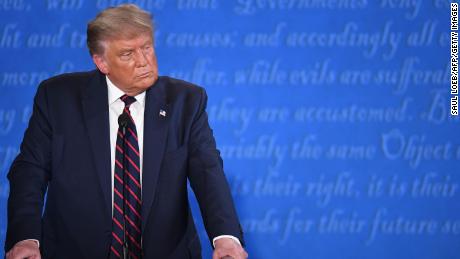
[127,42]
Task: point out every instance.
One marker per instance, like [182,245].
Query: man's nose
[141,58]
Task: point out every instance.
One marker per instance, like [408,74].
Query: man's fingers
[229,254]
[227,248]
[20,253]
[24,249]
[220,254]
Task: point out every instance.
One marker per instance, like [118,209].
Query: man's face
[130,64]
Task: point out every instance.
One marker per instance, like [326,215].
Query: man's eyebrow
[148,42]
[126,50]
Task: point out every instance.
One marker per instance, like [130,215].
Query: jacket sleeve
[207,178]
[29,175]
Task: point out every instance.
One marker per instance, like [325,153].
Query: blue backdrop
[332,116]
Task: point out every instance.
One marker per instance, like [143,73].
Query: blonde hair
[122,22]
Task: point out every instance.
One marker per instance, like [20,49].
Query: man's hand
[24,249]
[228,248]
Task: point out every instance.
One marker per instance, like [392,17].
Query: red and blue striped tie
[127,201]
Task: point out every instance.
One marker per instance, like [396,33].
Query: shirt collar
[115,93]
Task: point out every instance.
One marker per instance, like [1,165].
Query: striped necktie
[127,200]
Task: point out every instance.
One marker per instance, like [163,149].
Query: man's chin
[146,82]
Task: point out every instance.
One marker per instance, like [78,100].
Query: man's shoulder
[69,79]
[179,85]
[178,90]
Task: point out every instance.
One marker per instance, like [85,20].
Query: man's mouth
[144,75]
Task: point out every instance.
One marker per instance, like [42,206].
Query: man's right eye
[126,55]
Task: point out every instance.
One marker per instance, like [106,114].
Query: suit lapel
[156,116]
[96,115]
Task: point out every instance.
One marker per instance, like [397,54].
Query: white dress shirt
[116,106]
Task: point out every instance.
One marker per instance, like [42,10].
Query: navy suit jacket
[65,153]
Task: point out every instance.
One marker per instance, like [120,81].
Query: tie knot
[128,100]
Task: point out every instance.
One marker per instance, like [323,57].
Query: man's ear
[100,63]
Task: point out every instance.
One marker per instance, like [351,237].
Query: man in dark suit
[113,149]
